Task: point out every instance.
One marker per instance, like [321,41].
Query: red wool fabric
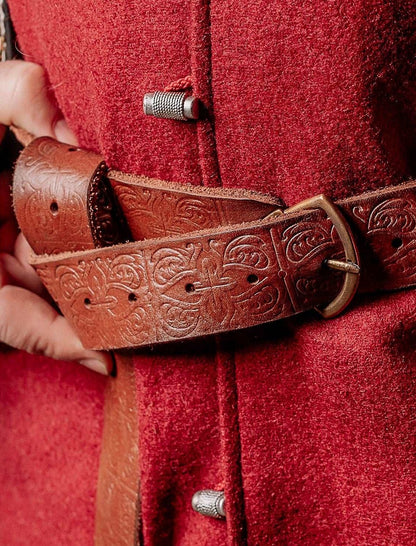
[308,425]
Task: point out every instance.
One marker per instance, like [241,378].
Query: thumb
[27,103]
[29,323]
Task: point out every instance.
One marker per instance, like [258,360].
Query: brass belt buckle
[351,264]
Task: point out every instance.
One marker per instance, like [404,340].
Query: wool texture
[51,425]
[308,425]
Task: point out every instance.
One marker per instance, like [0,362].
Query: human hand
[27,320]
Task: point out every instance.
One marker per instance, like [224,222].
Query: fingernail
[97,366]
[64,134]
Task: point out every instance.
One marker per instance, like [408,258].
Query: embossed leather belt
[133,261]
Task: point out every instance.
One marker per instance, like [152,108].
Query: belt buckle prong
[350,266]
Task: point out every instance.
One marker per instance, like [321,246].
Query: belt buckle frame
[350,266]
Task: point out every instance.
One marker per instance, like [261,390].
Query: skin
[27,320]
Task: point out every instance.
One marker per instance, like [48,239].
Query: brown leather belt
[133,261]
[200,261]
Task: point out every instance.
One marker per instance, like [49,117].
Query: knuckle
[30,81]
[33,70]
[44,343]
[25,99]
[34,340]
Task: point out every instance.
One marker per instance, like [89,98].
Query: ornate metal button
[177,105]
[209,503]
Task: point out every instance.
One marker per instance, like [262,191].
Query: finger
[17,269]
[27,322]
[24,99]
[16,274]
[63,133]
[27,102]
[23,251]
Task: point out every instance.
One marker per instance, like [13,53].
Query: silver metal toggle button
[209,503]
[177,105]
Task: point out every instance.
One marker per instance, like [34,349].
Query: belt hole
[54,208]
[132,296]
[190,287]
[87,303]
[252,278]
[396,242]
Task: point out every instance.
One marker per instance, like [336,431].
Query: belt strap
[133,261]
[117,521]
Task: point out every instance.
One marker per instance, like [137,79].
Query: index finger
[27,102]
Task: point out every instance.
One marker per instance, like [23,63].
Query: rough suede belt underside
[197,261]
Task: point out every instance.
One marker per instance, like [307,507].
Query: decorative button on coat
[177,105]
[209,503]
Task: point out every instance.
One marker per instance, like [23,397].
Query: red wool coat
[307,424]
